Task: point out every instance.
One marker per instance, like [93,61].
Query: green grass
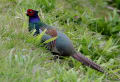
[93,29]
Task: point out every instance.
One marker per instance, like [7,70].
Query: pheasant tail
[87,62]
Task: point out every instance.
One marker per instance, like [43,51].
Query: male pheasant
[62,45]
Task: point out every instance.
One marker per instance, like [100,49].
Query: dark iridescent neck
[34,19]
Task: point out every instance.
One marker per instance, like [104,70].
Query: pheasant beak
[26,13]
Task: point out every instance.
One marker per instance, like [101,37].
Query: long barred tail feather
[87,62]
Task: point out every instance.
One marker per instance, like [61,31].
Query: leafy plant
[46,5]
[106,26]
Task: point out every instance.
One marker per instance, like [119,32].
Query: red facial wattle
[30,12]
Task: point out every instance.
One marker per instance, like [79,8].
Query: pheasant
[62,45]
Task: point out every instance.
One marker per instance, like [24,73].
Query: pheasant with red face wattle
[62,45]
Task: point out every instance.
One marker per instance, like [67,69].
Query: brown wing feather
[51,32]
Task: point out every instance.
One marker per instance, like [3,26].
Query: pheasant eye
[30,11]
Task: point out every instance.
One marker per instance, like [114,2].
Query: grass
[93,29]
